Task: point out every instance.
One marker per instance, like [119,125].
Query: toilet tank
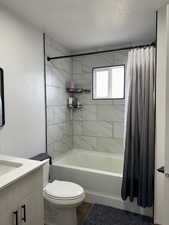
[46,167]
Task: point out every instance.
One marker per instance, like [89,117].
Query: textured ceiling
[84,24]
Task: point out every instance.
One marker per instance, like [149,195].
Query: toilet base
[55,215]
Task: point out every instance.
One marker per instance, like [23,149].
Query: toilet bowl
[64,193]
[61,199]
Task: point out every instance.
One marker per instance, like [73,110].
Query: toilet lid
[63,189]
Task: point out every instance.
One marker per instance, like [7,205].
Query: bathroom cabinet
[21,203]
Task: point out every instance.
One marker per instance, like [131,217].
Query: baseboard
[95,197]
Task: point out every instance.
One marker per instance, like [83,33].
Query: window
[108,82]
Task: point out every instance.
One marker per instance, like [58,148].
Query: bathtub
[100,174]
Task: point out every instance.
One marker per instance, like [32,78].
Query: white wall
[21,57]
[166,184]
[160,115]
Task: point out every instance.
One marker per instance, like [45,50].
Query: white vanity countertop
[26,166]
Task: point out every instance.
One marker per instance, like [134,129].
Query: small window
[108,82]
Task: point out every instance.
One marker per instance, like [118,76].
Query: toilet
[61,199]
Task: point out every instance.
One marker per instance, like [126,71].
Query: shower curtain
[138,171]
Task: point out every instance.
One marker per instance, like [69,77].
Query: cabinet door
[10,217]
[30,210]
[25,211]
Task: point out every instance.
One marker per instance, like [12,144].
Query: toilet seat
[64,193]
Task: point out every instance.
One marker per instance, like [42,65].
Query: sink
[7,166]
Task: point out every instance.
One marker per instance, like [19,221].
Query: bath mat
[105,215]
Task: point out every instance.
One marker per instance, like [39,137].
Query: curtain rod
[99,52]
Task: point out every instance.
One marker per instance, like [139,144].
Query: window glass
[108,82]
[102,84]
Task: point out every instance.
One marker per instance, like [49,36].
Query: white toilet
[63,198]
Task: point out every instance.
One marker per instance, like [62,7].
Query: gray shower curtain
[138,172]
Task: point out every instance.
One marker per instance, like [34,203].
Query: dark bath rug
[104,215]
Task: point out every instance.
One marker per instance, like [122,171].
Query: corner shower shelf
[74,91]
[77,90]
[75,107]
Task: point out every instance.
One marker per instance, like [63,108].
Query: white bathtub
[99,173]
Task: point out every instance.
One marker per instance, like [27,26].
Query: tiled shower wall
[100,125]
[59,124]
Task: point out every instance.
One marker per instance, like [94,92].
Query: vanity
[21,191]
